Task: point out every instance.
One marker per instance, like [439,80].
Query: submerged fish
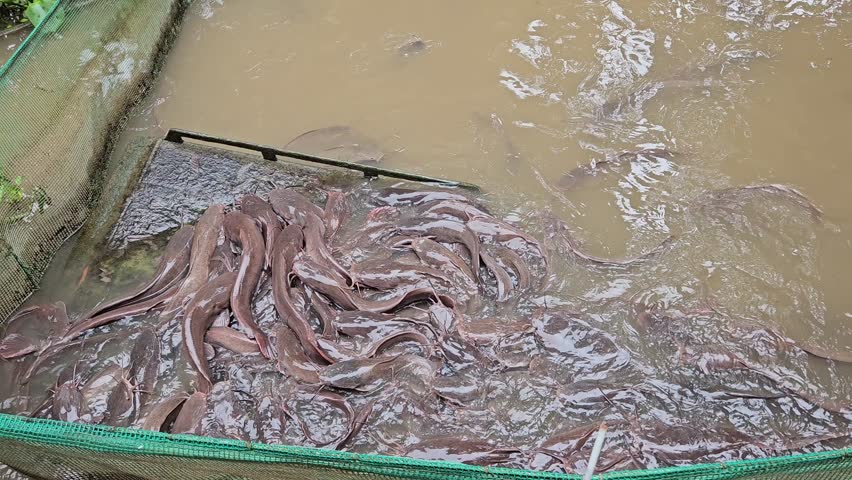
[33,329]
[338,142]
[173,265]
[474,452]
[292,359]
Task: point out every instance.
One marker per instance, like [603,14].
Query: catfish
[241,229]
[129,310]
[334,213]
[203,245]
[404,196]
[288,247]
[262,212]
[232,340]
[447,231]
[173,265]
[33,329]
[292,359]
[191,413]
[293,207]
[210,300]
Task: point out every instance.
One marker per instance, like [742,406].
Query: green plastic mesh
[63,97]
[57,450]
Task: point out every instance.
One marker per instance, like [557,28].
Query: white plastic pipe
[596,452]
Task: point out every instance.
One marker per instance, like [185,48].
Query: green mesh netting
[58,450]
[63,97]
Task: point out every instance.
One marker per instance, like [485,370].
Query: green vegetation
[28,11]
[16,205]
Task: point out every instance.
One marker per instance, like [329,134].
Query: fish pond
[662,240]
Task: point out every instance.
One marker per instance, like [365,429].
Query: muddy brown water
[515,95]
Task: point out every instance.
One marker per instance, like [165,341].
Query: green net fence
[63,98]
[57,450]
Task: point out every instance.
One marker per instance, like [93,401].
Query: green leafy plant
[10,190]
[36,10]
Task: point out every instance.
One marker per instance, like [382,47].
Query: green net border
[33,33]
[141,443]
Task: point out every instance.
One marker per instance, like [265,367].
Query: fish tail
[263,344]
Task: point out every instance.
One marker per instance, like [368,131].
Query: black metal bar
[177,135]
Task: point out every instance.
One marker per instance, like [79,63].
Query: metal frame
[177,135]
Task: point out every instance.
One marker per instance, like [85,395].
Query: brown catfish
[341,353]
[326,315]
[356,425]
[223,260]
[241,229]
[128,310]
[357,374]
[334,400]
[210,300]
[334,213]
[33,329]
[444,230]
[438,256]
[173,265]
[501,231]
[292,360]
[293,207]
[100,388]
[504,282]
[288,246]
[189,418]
[316,247]
[459,210]
[143,367]
[257,208]
[314,276]
[562,233]
[270,420]
[155,419]
[510,258]
[69,405]
[203,244]
[375,325]
[387,275]
[580,174]
[232,340]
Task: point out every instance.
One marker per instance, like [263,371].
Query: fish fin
[16,345]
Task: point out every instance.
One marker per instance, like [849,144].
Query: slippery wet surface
[610,130]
